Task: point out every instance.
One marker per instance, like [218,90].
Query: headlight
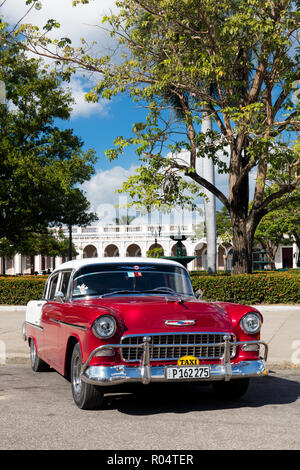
[104,327]
[251,323]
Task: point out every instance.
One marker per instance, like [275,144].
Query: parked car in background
[111,321]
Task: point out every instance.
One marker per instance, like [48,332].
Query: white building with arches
[136,240]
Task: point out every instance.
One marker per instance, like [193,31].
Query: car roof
[79,263]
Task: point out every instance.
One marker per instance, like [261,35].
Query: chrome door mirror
[59,296]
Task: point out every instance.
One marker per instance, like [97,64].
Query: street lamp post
[155,234]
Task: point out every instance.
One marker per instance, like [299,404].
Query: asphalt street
[38,412]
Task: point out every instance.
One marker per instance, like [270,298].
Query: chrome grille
[172,346]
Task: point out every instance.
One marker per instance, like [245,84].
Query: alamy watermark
[296,354]
[2,353]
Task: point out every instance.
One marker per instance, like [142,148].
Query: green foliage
[40,163]
[256,288]
[19,290]
[268,288]
[75,209]
[155,252]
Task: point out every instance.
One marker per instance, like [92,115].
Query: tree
[40,163]
[157,252]
[250,50]
[280,227]
[75,210]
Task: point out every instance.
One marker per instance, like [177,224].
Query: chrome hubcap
[32,352]
[76,379]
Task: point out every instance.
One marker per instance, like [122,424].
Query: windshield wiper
[150,291]
[167,290]
[119,292]
[159,291]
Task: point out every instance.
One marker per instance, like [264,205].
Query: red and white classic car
[111,321]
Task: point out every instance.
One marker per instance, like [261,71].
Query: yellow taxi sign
[188,361]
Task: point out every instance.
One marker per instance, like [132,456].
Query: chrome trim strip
[178,333]
[68,324]
[33,324]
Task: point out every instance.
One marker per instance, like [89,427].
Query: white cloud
[82,108]
[75,22]
[100,191]
[78,22]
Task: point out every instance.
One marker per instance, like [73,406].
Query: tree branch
[203,182]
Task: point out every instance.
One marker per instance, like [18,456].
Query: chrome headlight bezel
[104,333]
[247,319]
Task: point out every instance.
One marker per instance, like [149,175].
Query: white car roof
[78,263]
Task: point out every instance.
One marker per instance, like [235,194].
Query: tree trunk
[243,235]
[243,226]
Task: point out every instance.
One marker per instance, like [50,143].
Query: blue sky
[99,130]
[98,124]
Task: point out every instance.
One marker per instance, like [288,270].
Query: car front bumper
[114,375]
[146,373]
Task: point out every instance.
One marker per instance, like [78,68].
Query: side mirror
[59,296]
[198,294]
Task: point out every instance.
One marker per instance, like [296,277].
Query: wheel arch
[72,341]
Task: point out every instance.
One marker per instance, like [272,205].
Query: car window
[65,282]
[135,279]
[52,287]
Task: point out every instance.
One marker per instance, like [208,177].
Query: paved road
[37,412]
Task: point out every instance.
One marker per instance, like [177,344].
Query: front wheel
[37,365]
[233,389]
[86,396]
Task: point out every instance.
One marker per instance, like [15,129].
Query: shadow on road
[184,398]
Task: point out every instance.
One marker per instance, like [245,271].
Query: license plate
[180,373]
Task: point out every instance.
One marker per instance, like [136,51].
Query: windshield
[120,279]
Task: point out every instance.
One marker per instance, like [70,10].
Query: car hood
[148,314]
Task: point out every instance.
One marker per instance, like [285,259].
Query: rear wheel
[233,389]
[86,396]
[37,365]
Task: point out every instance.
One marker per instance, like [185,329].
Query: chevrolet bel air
[110,321]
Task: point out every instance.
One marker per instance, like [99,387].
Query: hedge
[261,287]
[270,288]
[18,290]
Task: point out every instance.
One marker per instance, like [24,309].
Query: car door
[63,313]
[50,322]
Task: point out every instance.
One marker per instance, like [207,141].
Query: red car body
[152,332]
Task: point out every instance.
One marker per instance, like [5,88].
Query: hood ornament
[180,322]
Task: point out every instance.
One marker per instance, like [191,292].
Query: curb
[277,307]
[13,307]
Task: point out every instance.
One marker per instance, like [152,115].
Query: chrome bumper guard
[144,373]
